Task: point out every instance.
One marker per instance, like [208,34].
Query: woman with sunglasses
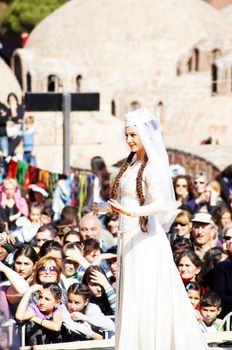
[183,188]
[182,226]
[227,238]
[223,280]
[48,269]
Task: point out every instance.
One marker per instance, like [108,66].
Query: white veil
[150,135]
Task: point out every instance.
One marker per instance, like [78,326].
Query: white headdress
[150,135]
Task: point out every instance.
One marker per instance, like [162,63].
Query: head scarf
[150,135]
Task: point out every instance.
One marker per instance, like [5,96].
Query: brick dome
[107,40]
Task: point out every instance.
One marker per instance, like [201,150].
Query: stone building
[165,55]
[9,83]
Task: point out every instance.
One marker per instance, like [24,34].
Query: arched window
[135,105]
[216,54]
[28,82]
[78,83]
[18,70]
[113,108]
[214,79]
[193,62]
[196,60]
[54,84]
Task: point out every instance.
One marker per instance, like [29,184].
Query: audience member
[189,266]
[90,227]
[45,315]
[210,308]
[28,140]
[202,233]
[14,123]
[100,288]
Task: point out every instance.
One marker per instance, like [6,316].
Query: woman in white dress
[153,309]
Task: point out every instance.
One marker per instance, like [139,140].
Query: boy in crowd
[210,308]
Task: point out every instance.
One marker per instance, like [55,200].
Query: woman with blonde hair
[12,202]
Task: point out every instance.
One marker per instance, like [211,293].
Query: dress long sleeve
[154,201]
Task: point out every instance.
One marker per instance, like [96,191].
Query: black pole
[66,107]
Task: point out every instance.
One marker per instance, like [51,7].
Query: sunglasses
[199,182]
[180,185]
[227,238]
[179,223]
[44,268]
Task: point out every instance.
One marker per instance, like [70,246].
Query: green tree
[24,15]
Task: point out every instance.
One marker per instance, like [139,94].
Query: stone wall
[192,163]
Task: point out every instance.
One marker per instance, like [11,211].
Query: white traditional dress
[153,309]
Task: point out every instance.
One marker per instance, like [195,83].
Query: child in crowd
[100,289]
[45,314]
[28,142]
[28,227]
[70,273]
[194,293]
[84,313]
[210,308]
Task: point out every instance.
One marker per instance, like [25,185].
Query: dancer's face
[133,140]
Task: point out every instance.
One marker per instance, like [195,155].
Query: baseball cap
[203,217]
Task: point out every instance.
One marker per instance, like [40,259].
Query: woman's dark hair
[218,211]
[90,245]
[98,167]
[180,245]
[87,275]
[193,257]
[113,217]
[79,289]
[48,211]
[48,246]
[68,215]
[101,301]
[73,232]
[12,94]
[211,258]
[143,220]
[193,286]
[28,251]
[54,289]
[189,184]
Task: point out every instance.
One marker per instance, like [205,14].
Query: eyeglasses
[44,268]
[227,238]
[179,223]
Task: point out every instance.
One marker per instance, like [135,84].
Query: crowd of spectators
[58,275]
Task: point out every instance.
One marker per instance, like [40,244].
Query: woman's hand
[118,207]
[73,254]
[35,288]
[98,278]
[95,208]
[104,256]
[79,316]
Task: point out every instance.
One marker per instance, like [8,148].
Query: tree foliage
[24,15]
